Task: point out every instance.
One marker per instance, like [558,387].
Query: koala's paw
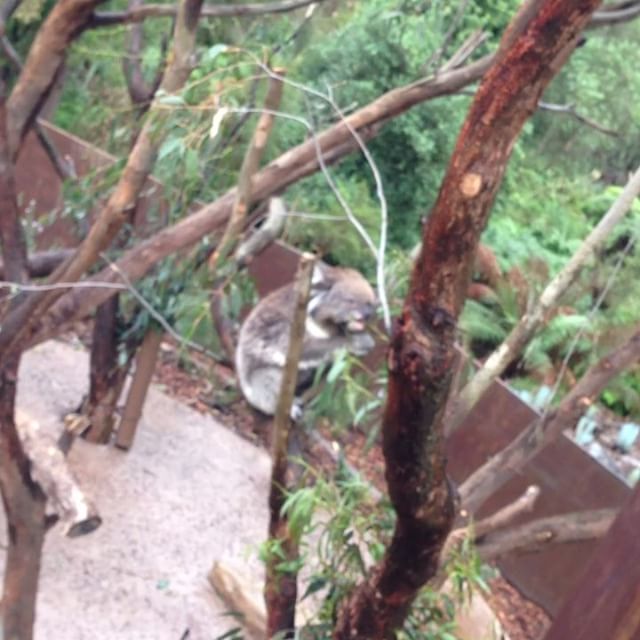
[296,411]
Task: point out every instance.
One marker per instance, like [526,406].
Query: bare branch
[63,168]
[524,330]
[250,165]
[615,14]
[486,480]
[111,18]
[535,536]
[570,109]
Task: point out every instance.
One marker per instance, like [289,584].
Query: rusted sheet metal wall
[606,604]
[569,479]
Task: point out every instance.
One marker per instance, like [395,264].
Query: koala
[340,305]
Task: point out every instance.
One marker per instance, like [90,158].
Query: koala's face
[348,302]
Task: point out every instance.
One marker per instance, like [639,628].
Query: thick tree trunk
[422,353]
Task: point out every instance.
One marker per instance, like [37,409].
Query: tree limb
[301,161]
[41,263]
[123,199]
[570,109]
[139,14]
[65,22]
[521,334]
[615,14]
[486,480]
[536,535]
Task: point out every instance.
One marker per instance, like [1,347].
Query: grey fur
[341,303]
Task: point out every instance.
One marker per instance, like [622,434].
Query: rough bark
[280,590]
[140,162]
[498,470]
[145,366]
[526,327]
[422,352]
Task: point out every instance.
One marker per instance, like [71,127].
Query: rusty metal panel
[606,602]
[570,480]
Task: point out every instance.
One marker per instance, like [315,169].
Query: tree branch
[65,22]
[615,14]
[486,480]
[535,536]
[41,263]
[570,109]
[139,14]
[140,162]
[301,161]
[524,330]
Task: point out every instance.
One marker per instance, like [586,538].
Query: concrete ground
[188,493]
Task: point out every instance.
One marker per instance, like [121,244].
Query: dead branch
[486,480]
[138,168]
[50,470]
[535,536]
[570,109]
[280,590]
[496,521]
[422,351]
[111,18]
[525,329]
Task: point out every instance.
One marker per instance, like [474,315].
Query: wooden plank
[606,603]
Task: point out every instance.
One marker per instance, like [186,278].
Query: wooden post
[145,365]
